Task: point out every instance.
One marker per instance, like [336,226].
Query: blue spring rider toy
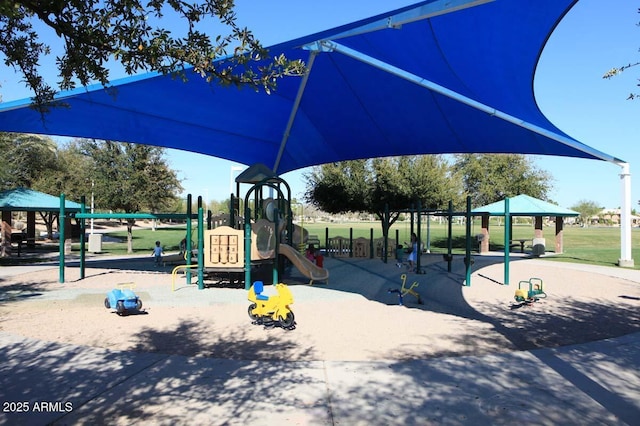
[123,300]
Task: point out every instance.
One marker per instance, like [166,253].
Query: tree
[69,173]
[488,178]
[617,70]
[96,35]
[371,185]
[130,178]
[36,162]
[26,158]
[587,210]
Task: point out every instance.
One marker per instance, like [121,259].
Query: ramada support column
[31,229]
[484,244]
[559,234]
[538,233]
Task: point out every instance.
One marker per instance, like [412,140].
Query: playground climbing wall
[224,246]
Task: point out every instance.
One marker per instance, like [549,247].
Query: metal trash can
[95,243]
[538,246]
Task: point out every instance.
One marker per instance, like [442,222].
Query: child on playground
[310,254]
[413,254]
[157,253]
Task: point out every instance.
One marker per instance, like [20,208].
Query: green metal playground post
[350,242]
[276,261]
[419,238]
[188,241]
[61,237]
[200,248]
[326,240]
[385,244]
[371,253]
[82,236]
[247,247]
[468,246]
[507,238]
[428,233]
[450,237]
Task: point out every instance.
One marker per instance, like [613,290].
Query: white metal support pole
[626,259]
[331,46]
[294,110]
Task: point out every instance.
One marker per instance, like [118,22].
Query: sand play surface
[334,321]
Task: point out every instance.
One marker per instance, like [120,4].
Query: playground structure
[403,291]
[281,231]
[231,251]
[267,310]
[532,292]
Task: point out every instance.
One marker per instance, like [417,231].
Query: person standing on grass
[157,253]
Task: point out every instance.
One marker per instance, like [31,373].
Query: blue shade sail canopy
[436,77]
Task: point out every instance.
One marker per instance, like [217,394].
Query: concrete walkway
[591,384]
[51,383]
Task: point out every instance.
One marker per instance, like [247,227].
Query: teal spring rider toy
[530,291]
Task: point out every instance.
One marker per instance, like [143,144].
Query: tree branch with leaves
[94,34]
[618,70]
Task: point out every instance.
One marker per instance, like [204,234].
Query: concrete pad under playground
[592,383]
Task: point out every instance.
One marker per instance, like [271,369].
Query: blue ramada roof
[24,199]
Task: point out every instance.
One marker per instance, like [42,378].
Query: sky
[596,35]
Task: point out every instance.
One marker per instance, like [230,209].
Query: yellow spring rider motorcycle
[271,309]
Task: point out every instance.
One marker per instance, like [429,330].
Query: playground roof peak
[255,173]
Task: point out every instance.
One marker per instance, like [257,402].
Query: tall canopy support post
[294,110]
[626,259]
[61,238]
[467,257]
[507,238]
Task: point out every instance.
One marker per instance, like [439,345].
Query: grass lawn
[594,245]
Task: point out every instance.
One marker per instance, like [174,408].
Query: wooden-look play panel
[224,246]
